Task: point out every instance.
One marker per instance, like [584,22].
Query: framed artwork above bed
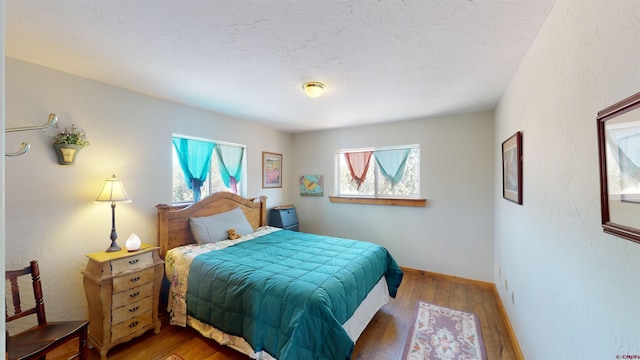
[271,170]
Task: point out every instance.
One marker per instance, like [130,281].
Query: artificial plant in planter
[68,142]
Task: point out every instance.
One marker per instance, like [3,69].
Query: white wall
[576,289]
[50,213]
[453,234]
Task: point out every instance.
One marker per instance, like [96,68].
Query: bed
[272,293]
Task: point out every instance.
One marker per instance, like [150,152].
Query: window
[389,172]
[222,159]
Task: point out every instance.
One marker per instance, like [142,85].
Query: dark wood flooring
[383,339]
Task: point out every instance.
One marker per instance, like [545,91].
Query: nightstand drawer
[289,217]
[131,263]
[131,310]
[132,280]
[126,297]
[130,326]
[284,218]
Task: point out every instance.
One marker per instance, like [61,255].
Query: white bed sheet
[177,264]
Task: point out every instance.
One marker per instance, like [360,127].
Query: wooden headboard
[173,220]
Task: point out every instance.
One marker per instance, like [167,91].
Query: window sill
[378,201]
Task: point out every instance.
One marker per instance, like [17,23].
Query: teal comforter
[288,293]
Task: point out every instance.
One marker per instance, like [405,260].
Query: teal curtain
[230,165]
[195,159]
[392,163]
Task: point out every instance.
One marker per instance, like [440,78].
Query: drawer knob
[134,309]
[133,324]
[134,294]
[133,262]
[135,279]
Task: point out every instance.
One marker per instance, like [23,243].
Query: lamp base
[114,247]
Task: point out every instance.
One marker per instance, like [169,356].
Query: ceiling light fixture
[313,89]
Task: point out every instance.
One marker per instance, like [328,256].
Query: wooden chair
[37,341]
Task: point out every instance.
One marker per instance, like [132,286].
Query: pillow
[210,229]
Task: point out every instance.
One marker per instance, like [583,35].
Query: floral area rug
[441,333]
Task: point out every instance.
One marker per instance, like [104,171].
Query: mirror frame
[631,103]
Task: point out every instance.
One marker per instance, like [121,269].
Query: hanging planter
[68,143]
[67,153]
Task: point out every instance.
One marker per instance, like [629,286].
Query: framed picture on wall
[311,185]
[619,158]
[512,168]
[271,170]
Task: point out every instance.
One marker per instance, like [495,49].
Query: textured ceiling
[380,60]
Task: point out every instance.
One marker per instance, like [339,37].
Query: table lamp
[113,192]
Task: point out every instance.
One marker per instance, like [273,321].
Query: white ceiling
[381,61]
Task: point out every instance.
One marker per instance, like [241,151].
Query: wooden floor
[383,339]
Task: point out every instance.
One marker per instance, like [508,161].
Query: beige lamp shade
[113,191]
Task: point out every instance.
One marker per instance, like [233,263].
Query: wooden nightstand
[123,294]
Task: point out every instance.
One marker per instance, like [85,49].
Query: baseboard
[484,284]
[505,316]
[488,285]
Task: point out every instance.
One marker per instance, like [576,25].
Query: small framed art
[271,170]
[311,185]
[512,168]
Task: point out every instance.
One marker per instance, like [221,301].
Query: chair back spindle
[15,295]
